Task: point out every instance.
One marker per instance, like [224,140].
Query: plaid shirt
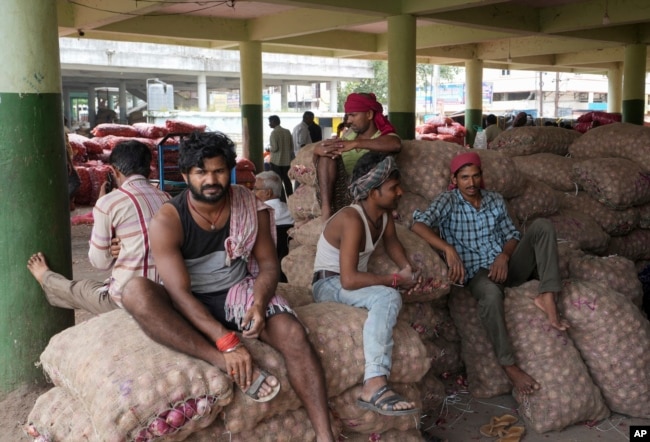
[477,235]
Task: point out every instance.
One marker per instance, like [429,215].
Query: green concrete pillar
[634,83]
[250,59]
[614,88]
[34,212]
[401,74]
[473,97]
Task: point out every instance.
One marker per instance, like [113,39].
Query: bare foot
[38,266]
[546,303]
[372,385]
[521,380]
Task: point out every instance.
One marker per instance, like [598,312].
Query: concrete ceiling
[547,35]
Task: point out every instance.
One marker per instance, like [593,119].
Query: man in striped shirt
[119,239]
[485,252]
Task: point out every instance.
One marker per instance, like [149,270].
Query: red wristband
[227,342]
[394,285]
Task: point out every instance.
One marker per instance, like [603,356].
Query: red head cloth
[368,102]
[461,160]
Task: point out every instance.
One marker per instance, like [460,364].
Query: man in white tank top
[341,273]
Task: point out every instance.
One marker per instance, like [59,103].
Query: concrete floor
[459,418]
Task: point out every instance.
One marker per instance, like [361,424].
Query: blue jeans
[383,305]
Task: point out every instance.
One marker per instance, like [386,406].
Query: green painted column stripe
[404,123]
[34,216]
[252,122]
[633,111]
[472,118]
[29,31]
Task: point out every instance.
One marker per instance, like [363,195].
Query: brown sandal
[498,425]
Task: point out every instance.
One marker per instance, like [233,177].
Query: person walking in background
[119,239]
[301,135]
[315,132]
[281,148]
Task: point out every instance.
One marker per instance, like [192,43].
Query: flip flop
[254,389]
[498,425]
[514,434]
[376,405]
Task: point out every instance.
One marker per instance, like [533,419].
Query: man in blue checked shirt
[485,252]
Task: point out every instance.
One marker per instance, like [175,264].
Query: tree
[379,83]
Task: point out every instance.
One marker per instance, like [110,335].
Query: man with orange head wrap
[335,158]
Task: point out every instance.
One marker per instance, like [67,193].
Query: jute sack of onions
[432,393]
[567,394]
[408,203]
[616,272]
[298,265]
[549,168]
[613,222]
[132,387]
[412,435]
[613,337]
[359,420]
[530,140]
[296,295]
[434,270]
[308,233]
[336,332]
[616,140]
[566,251]
[500,174]
[574,226]
[57,416]
[485,376]
[302,166]
[644,216]
[615,182]
[303,204]
[537,200]
[424,166]
[633,246]
[429,321]
[288,426]
[444,355]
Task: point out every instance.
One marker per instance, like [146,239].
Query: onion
[144,436]
[32,431]
[175,418]
[188,408]
[158,427]
[202,406]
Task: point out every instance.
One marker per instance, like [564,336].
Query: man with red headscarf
[335,158]
[485,252]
